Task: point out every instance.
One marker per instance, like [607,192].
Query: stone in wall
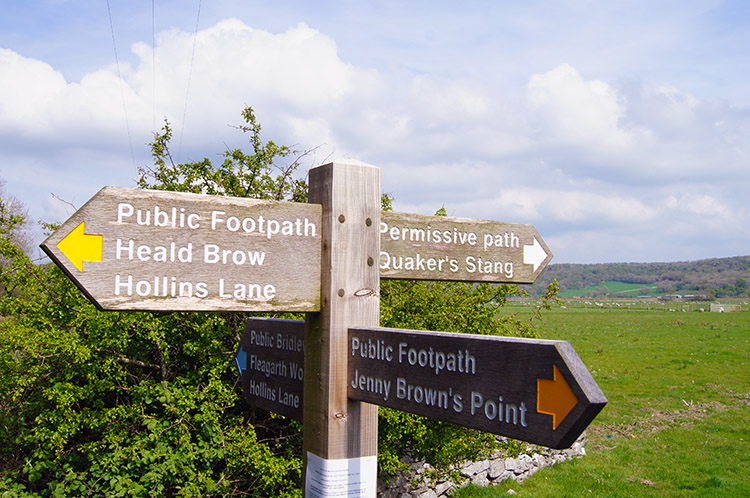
[485,472]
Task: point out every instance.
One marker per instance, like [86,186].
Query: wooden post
[340,435]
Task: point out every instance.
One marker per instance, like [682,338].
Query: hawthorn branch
[129,361]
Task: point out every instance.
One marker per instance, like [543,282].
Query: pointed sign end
[534,254]
[241,360]
[78,246]
[555,397]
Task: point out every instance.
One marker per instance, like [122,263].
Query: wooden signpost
[340,435]
[422,247]
[271,360]
[534,390]
[131,249]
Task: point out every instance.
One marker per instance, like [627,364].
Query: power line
[119,78]
[153,59]
[190,76]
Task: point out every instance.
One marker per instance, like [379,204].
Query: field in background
[523,305]
[612,287]
[713,278]
[678,419]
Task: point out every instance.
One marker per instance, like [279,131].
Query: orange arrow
[79,246]
[555,397]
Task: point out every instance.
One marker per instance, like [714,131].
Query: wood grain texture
[484,382]
[275,357]
[415,246]
[177,251]
[336,427]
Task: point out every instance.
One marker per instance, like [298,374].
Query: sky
[619,129]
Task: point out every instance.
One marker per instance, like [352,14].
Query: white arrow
[534,254]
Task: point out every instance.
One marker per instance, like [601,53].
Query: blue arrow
[241,359]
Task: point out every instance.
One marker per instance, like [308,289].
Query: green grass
[614,289]
[678,419]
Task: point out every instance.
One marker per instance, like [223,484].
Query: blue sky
[620,130]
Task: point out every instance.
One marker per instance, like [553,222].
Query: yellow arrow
[555,397]
[79,246]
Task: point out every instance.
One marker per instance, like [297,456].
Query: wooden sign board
[133,249]
[414,246]
[271,361]
[534,390]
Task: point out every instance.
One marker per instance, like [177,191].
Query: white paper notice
[345,478]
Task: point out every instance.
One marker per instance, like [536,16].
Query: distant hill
[712,278]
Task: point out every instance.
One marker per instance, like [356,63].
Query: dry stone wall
[486,472]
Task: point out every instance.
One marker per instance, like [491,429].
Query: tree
[148,404]
[240,174]
[13,227]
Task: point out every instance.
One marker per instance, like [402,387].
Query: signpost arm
[336,428]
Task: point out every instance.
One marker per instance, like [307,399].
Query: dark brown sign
[414,246]
[271,361]
[132,249]
[534,390]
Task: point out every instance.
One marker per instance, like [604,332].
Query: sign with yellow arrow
[132,249]
[534,390]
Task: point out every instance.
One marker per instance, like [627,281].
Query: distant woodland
[704,279]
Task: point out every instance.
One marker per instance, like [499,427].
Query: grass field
[678,419]
[621,289]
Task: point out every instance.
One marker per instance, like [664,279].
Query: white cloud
[299,67]
[634,133]
[702,205]
[569,110]
[570,206]
[296,73]
[591,160]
